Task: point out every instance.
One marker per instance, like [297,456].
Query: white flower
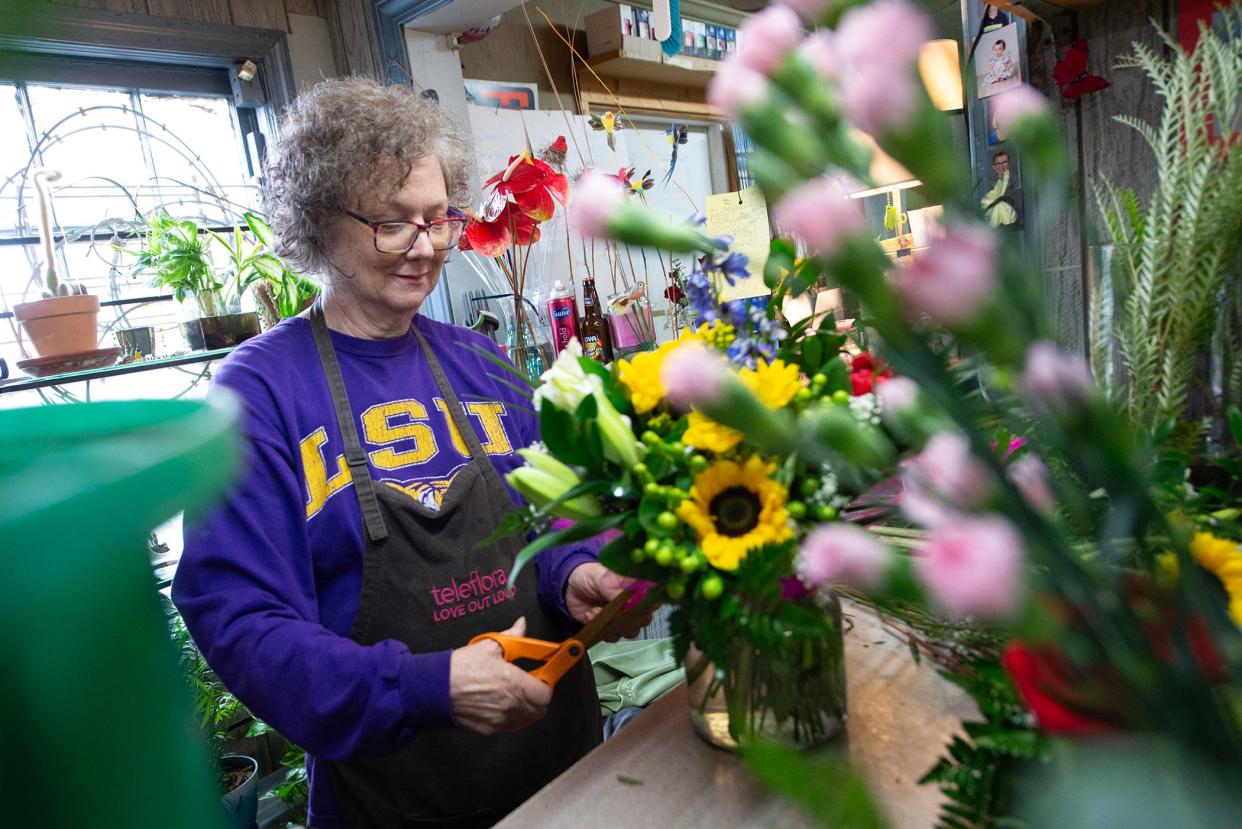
[565,385]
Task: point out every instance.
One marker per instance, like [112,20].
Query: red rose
[673,294]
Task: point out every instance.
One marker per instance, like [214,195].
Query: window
[122,152]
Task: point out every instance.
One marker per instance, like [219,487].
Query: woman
[337,589]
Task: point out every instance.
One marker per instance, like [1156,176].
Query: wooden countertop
[901,715]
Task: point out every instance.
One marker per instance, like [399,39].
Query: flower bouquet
[708,518]
[1073,547]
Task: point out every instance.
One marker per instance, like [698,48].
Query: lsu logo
[398,435]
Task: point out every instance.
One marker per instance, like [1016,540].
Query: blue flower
[734,267]
[702,295]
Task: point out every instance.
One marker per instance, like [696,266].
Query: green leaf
[578,532]
[812,354]
[1235,424]
[838,375]
[559,431]
[260,228]
[628,781]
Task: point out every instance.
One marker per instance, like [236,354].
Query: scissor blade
[592,630]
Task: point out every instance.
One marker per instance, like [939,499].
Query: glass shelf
[25,384]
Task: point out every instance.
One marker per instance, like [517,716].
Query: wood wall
[512,51]
[1099,146]
[261,14]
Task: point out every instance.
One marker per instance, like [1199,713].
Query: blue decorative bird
[676,136]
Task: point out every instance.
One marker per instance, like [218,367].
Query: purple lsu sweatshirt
[269,582]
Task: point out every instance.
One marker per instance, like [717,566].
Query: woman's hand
[590,587]
[488,694]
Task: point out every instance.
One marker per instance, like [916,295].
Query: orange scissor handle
[557,657]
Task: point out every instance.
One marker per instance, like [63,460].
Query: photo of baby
[997,64]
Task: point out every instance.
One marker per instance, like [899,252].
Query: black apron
[425,582]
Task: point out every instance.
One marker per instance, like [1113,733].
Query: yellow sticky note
[744,216]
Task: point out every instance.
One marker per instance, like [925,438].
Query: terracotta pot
[61,324]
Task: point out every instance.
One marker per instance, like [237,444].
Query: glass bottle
[596,338]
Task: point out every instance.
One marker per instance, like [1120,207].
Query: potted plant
[177,254]
[281,291]
[66,319]
[219,713]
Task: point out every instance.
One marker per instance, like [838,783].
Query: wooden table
[901,715]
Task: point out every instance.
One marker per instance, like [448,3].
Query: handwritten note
[744,216]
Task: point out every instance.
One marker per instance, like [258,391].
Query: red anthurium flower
[532,185]
[494,238]
[487,238]
[1042,686]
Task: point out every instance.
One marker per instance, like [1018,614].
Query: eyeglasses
[399,237]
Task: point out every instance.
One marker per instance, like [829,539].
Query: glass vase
[792,694]
[523,349]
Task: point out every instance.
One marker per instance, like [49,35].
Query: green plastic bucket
[95,721]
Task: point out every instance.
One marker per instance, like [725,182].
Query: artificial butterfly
[1070,73]
[676,136]
[608,124]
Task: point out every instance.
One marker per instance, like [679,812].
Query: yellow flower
[641,375]
[1224,559]
[705,433]
[720,335]
[774,385]
[734,508]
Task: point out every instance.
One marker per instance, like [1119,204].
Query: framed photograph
[995,134]
[1001,203]
[993,18]
[998,65]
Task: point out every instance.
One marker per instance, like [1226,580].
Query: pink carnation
[821,214]
[896,395]
[844,554]
[1030,476]
[736,88]
[943,478]
[595,198]
[877,102]
[1016,104]
[767,37]
[694,375]
[1053,380]
[954,278]
[973,567]
[882,38]
[819,50]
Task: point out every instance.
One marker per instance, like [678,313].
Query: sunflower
[774,385]
[734,508]
[1219,556]
[1224,559]
[641,375]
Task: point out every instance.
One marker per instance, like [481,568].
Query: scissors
[559,657]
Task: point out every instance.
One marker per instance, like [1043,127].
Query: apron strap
[456,410]
[355,458]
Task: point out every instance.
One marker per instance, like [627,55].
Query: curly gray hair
[347,137]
